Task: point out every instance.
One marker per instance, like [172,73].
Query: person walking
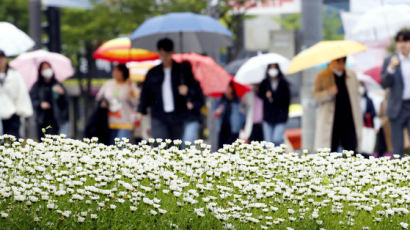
[275,93]
[227,110]
[166,91]
[122,98]
[253,104]
[49,101]
[396,78]
[14,98]
[339,119]
[367,105]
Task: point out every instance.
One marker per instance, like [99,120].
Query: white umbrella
[14,41]
[254,70]
[382,22]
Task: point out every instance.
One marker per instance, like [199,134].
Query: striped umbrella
[119,50]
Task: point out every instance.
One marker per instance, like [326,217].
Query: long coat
[326,111]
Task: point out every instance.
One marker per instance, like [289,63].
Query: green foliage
[331,26]
[15,12]
[289,21]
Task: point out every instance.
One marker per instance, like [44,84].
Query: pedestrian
[166,91]
[14,98]
[339,120]
[122,98]
[195,102]
[227,110]
[49,100]
[253,104]
[396,78]
[369,115]
[275,92]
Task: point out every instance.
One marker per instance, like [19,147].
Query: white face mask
[47,73]
[361,90]
[273,73]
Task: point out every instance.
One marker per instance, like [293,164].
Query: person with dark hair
[339,119]
[168,89]
[227,110]
[122,98]
[275,93]
[49,100]
[14,98]
[396,78]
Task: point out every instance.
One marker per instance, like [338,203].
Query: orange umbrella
[119,50]
[138,70]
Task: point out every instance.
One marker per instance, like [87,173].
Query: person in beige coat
[339,117]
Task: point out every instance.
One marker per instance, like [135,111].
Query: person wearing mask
[339,119]
[122,99]
[275,93]
[227,110]
[49,101]
[253,104]
[14,98]
[167,89]
[396,78]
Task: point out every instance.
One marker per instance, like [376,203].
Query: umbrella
[370,83]
[375,73]
[119,50]
[254,70]
[383,22]
[322,52]
[138,70]
[233,67]
[27,64]
[14,41]
[240,89]
[211,76]
[190,32]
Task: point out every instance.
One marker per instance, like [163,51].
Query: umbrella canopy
[119,50]
[375,73]
[254,70]
[14,41]
[212,77]
[370,83]
[190,33]
[322,52]
[383,22]
[138,70]
[27,64]
[233,67]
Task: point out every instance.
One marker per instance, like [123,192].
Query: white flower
[162,211]
[291,211]
[4,214]
[81,219]
[93,216]
[404,225]
[153,212]
[112,206]
[133,208]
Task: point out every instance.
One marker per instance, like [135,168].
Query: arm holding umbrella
[389,67]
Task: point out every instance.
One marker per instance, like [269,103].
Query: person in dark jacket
[49,101]
[275,93]
[227,110]
[97,125]
[368,110]
[193,119]
[166,90]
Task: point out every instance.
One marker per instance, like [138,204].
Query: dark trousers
[226,136]
[397,126]
[11,126]
[344,135]
[166,128]
[257,133]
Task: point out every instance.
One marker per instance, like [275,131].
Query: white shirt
[363,103]
[274,84]
[405,72]
[167,95]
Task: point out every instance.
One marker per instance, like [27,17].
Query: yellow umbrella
[138,70]
[323,51]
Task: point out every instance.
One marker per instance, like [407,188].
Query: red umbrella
[211,76]
[375,73]
[240,89]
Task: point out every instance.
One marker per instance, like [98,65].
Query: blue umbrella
[190,33]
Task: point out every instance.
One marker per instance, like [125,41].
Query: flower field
[70,184]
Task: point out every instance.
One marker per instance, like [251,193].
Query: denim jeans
[274,133]
[190,131]
[120,133]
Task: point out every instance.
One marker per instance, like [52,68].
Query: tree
[15,12]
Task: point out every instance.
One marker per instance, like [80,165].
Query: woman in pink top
[122,97]
[254,116]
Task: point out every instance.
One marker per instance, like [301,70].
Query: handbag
[368,140]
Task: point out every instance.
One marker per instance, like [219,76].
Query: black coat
[97,125]
[276,110]
[59,103]
[151,93]
[369,114]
